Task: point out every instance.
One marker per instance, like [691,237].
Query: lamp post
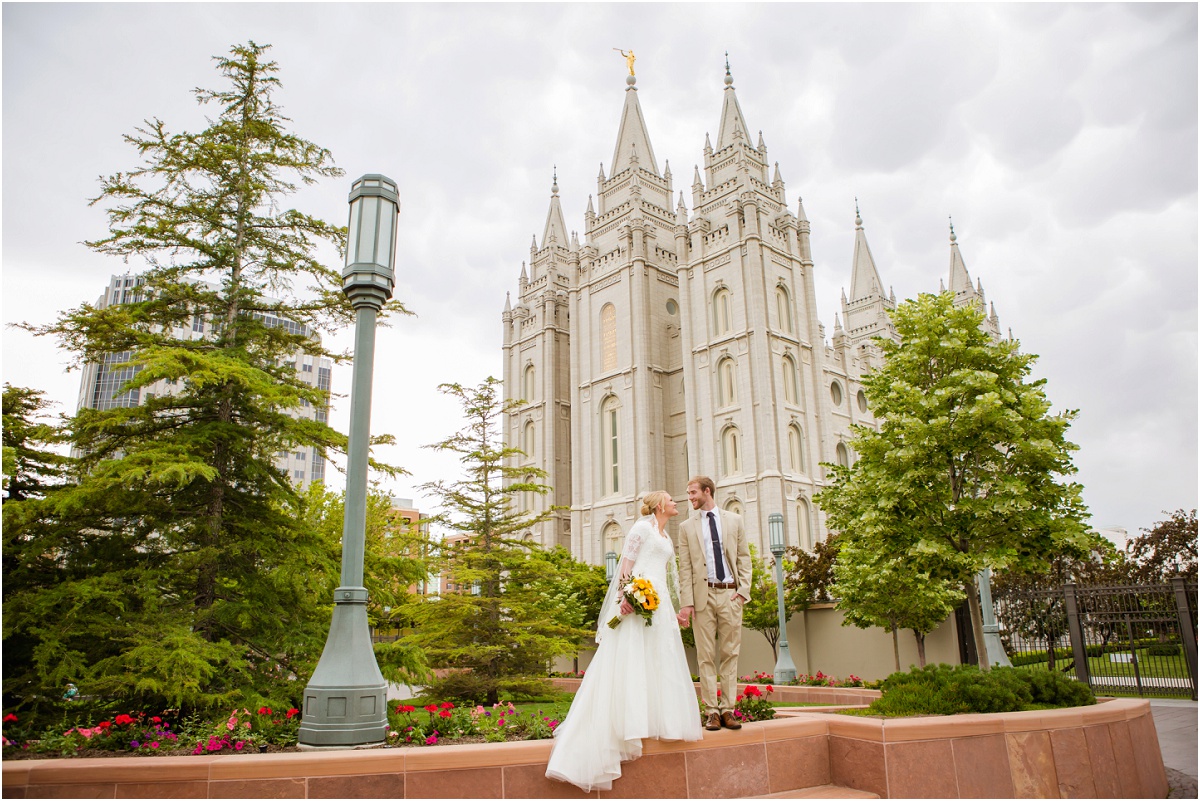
[610,565]
[991,630]
[345,702]
[785,669]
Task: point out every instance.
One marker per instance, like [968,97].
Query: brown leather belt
[719,586]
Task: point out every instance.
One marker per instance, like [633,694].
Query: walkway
[1175,721]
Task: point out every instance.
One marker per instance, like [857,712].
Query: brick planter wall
[1109,751]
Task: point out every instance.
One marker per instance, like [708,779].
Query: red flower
[123,720]
[291,713]
[739,699]
[405,708]
[10,718]
[445,713]
[264,710]
[431,708]
[718,692]
[156,719]
[447,705]
[770,689]
[752,690]
[104,724]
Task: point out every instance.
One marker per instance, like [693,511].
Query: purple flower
[133,744]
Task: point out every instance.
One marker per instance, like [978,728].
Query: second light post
[785,669]
[345,702]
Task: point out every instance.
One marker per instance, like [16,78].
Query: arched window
[529,441]
[783,306]
[734,506]
[613,538]
[529,388]
[796,449]
[843,455]
[802,532]
[722,312]
[726,382]
[610,446]
[862,401]
[731,451]
[789,381]
[608,337]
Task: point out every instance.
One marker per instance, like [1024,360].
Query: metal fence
[1121,640]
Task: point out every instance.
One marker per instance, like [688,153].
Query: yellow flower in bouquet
[642,597]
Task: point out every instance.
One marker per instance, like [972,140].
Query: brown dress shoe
[713,723]
[730,721]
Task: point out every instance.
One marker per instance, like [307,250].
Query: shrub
[753,705]
[1163,649]
[950,690]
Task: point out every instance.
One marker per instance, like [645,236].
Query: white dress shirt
[710,558]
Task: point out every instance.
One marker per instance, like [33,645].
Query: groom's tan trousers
[721,614]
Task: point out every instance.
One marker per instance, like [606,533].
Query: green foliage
[876,589]
[498,625]
[968,468]
[752,705]
[177,566]
[1165,649]
[31,468]
[1166,550]
[961,689]
[761,612]
[807,577]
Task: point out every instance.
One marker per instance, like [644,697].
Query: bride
[638,684]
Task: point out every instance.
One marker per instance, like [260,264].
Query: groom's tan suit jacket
[693,562]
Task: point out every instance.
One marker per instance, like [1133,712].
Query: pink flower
[154,745]
[239,746]
[431,739]
[232,722]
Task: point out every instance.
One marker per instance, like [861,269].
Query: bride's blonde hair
[652,500]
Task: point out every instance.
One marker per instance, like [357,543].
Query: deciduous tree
[969,469]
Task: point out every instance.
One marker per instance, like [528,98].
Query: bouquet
[642,596]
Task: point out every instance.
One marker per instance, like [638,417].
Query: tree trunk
[896,646]
[920,647]
[972,590]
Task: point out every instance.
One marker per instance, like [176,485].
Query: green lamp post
[345,702]
[785,669]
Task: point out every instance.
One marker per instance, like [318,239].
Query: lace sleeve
[633,543]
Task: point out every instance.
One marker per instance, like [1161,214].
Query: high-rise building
[99,385]
[672,342]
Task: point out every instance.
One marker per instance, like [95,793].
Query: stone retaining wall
[1109,750]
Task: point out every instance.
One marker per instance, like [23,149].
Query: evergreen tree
[968,467]
[494,624]
[181,571]
[31,467]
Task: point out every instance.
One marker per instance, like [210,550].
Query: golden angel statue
[629,58]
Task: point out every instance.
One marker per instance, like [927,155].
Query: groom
[714,584]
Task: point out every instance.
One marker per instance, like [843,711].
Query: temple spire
[864,277]
[556,227]
[632,135]
[732,120]
[960,279]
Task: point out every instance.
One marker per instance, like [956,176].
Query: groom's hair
[705,483]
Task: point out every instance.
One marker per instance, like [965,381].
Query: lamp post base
[785,668]
[345,702]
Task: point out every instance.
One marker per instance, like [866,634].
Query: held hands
[625,608]
[685,616]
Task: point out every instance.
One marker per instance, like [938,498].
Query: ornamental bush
[960,689]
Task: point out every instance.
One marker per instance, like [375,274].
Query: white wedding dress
[638,684]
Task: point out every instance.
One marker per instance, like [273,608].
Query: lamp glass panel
[387,235]
[368,224]
[352,245]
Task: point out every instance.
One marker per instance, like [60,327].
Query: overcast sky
[1061,138]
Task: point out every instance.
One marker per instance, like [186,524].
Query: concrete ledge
[1105,751]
